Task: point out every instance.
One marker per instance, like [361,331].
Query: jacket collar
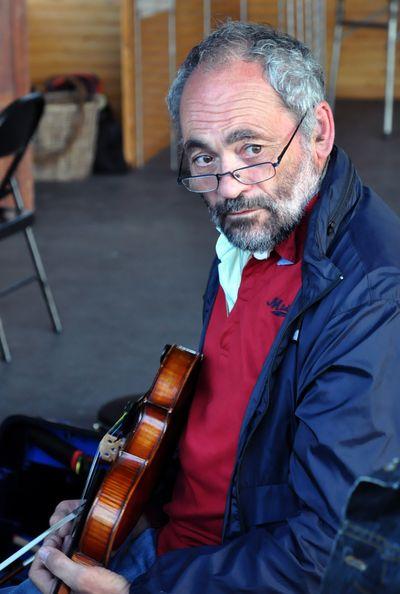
[337,196]
[339,192]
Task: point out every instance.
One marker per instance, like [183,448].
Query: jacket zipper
[332,222]
[330,230]
[299,315]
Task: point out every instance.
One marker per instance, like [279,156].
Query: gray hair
[289,66]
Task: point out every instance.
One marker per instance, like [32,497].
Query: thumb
[82,579]
[62,566]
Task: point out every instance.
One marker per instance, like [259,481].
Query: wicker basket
[64,146]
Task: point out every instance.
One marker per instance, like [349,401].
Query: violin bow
[30,545]
[74,514]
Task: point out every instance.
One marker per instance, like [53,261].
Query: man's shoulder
[375,232]
[369,251]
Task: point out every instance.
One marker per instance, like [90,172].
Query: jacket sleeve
[348,424]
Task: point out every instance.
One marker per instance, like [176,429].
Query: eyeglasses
[251,174]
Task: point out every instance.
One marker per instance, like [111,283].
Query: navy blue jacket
[325,408]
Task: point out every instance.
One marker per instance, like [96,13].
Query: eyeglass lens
[253,174]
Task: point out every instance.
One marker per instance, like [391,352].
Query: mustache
[232,205]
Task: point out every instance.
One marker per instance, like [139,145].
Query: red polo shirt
[235,349]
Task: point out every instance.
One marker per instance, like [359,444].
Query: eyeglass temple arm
[179,178]
[280,157]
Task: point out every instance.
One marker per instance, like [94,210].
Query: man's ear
[324,132]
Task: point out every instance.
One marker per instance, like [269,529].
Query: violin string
[116,427]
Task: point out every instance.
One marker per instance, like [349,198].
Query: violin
[139,459]
[135,452]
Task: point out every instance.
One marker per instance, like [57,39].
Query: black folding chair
[18,123]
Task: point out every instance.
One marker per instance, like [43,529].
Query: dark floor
[127,258]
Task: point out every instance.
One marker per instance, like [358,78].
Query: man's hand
[50,563]
[63,509]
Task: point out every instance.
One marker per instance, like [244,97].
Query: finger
[38,573]
[42,578]
[63,509]
[66,529]
[53,540]
[83,579]
[60,566]
[56,541]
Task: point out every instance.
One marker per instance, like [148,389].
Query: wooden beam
[128,80]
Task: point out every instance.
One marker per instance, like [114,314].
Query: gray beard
[286,209]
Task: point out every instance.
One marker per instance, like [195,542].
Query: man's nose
[229,186]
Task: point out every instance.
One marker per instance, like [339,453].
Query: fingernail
[43,554]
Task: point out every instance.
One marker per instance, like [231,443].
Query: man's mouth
[243,212]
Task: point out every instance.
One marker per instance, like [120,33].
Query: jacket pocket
[265,504]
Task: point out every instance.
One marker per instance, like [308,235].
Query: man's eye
[202,160]
[252,150]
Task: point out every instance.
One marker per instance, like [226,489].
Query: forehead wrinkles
[199,105]
[221,105]
[248,111]
[221,95]
[214,102]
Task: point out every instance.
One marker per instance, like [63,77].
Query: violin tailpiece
[110,447]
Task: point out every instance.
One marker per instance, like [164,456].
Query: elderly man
[298,392]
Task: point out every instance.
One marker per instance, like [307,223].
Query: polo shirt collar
[232,259]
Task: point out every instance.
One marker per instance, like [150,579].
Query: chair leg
[42,279]
[5,351]
[37,262]
[390,67]
[337,44]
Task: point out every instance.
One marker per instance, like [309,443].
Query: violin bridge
[110,447]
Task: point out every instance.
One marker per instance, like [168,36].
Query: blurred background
[125,249]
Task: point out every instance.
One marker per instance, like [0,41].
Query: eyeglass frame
[218,176]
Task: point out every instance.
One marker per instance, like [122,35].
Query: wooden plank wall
[223,9]
[154,73]
[189,27]
[263,12]
[363,56]
[85,35]
[155,80]
[76,36]
[80,35]
[14,81]
[127,20]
